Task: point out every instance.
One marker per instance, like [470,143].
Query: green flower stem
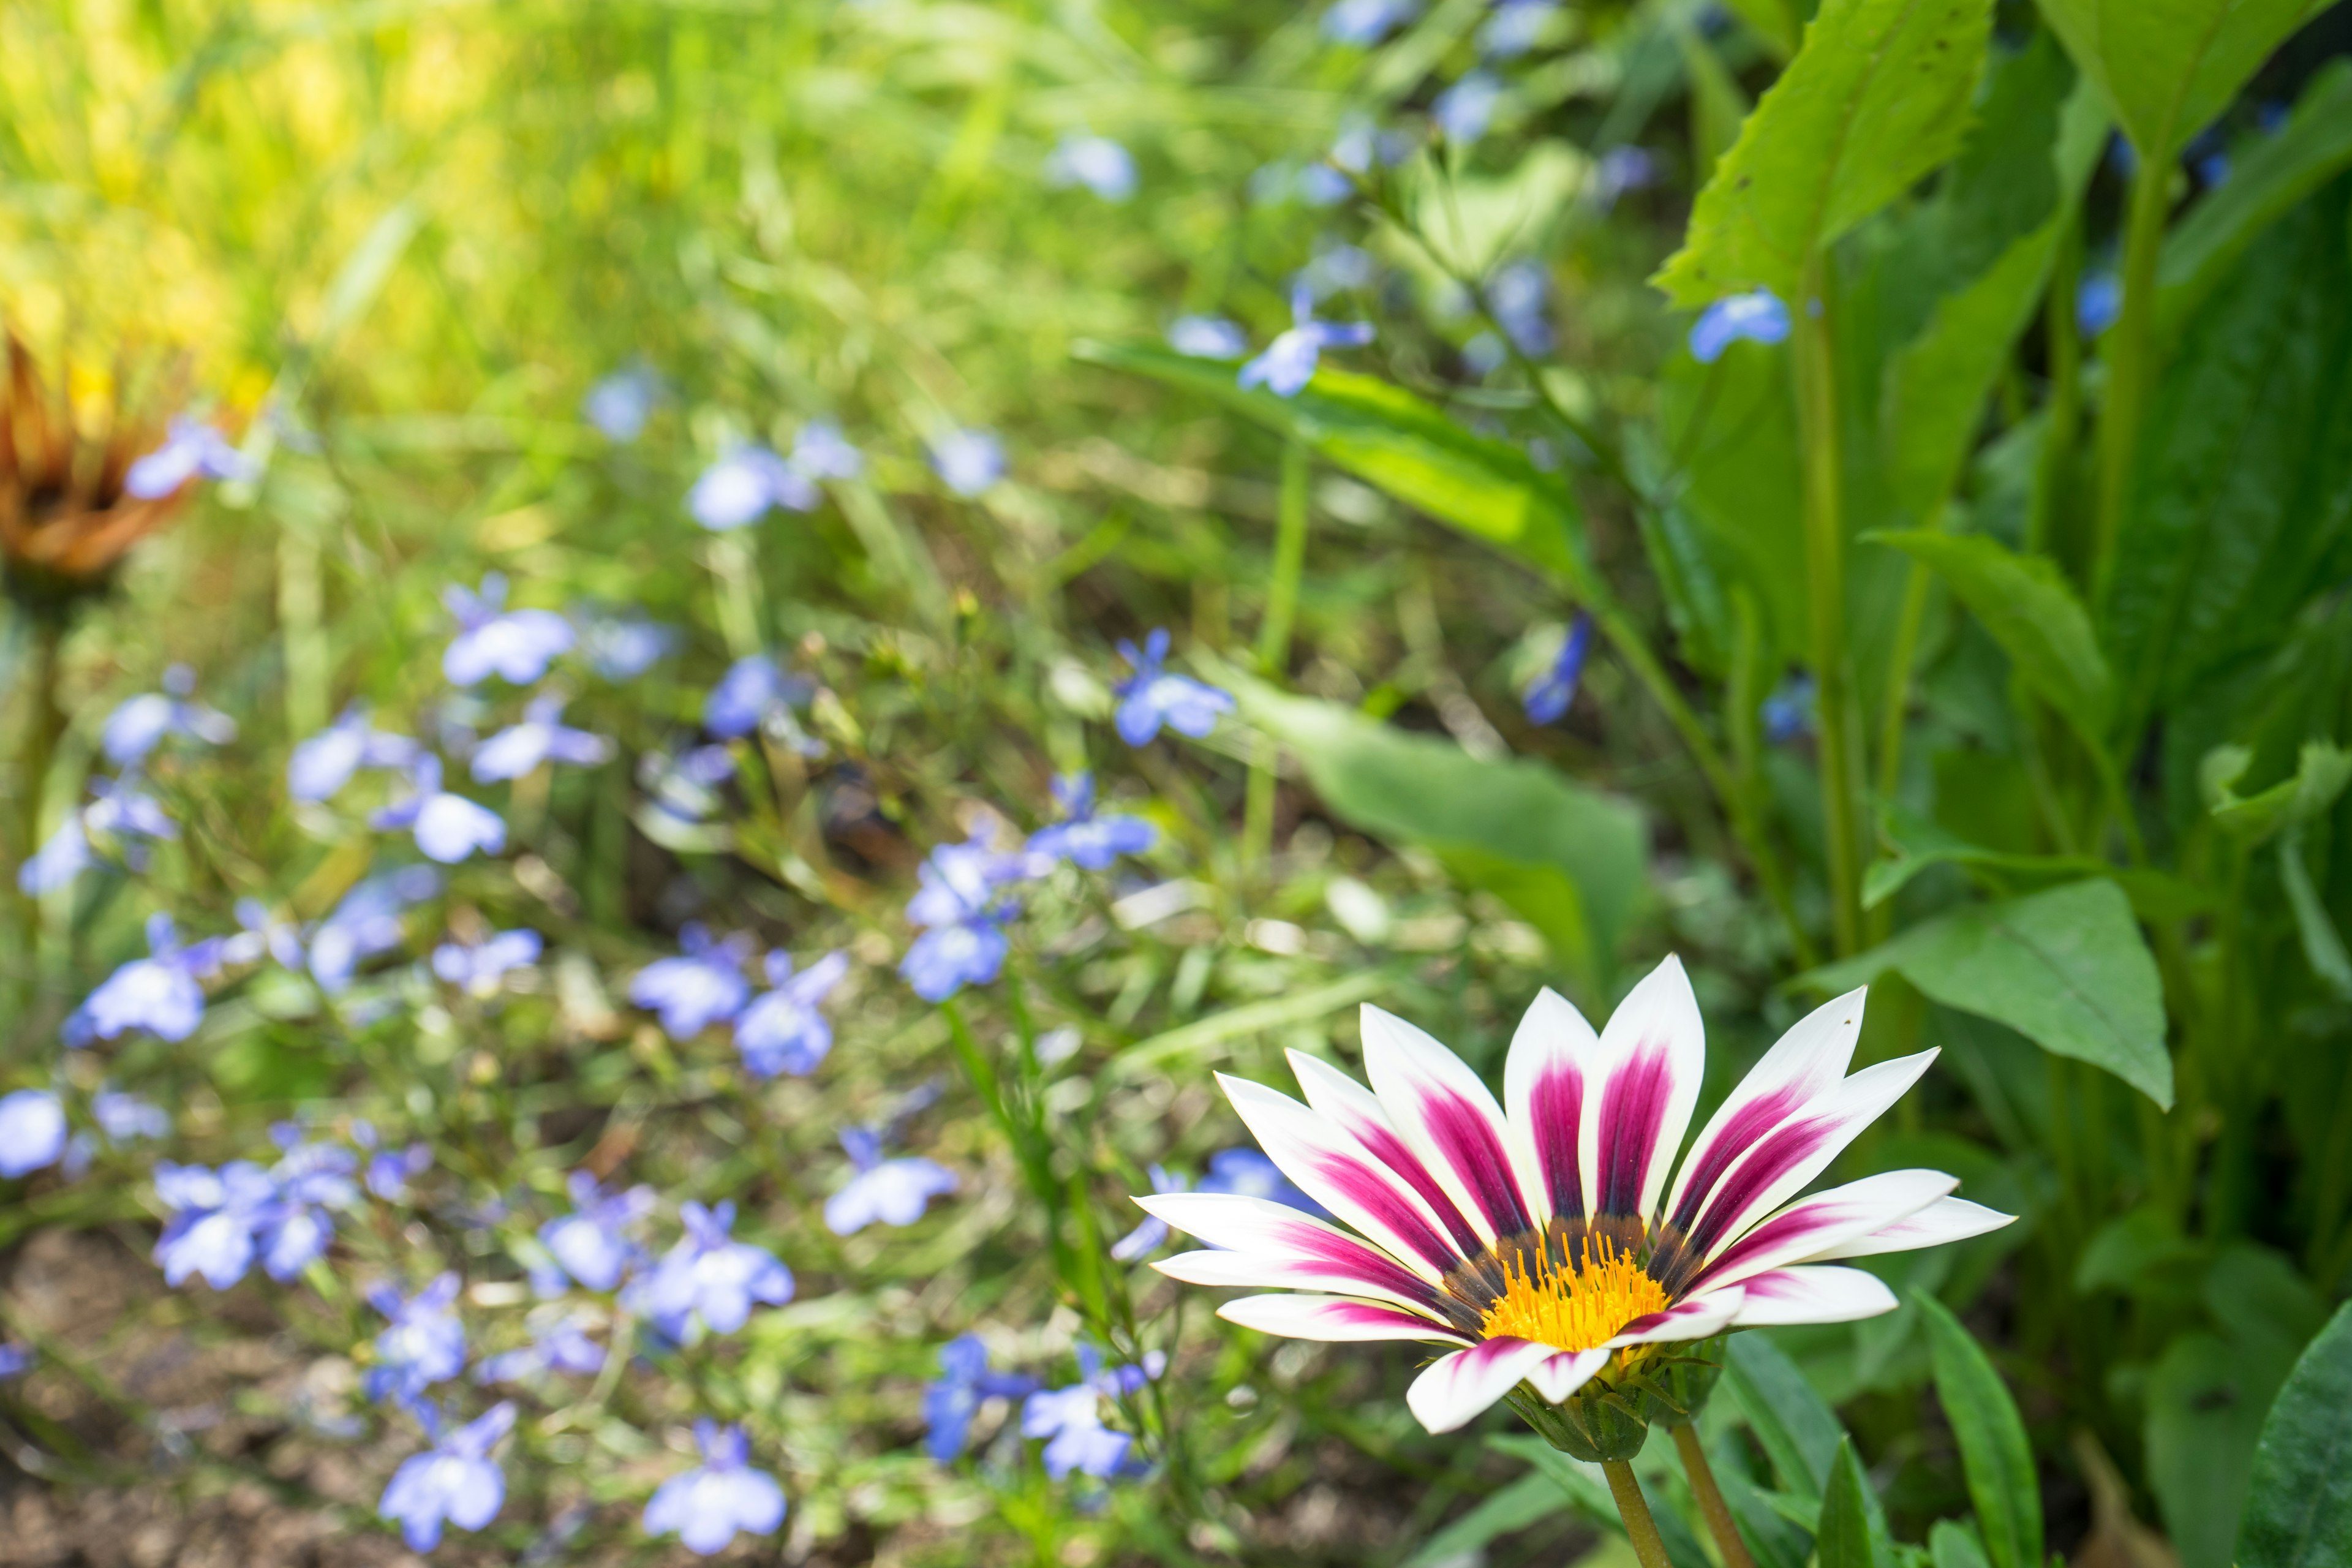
[2131,361]
[1719,1523]
[1274,645]
[1640,1528]
[1841,759]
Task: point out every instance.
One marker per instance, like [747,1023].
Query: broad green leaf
[2266,181]
[2209,1393]
[2068,968]
[1918,843]
[1994,1452]
[2030,612]
[2168,66]
[1472,222]
[1730,433]
[2321,770]
[1876,99]
[1797,1429]
[1527,1501]
[1392,440]
[1843,1538]
[1952,1543]
[1568,859]
[2242,500]
[2298,1510]
[1776,22]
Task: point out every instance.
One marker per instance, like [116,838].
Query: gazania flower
[1544,1245]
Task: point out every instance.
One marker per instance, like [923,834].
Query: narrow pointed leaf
[1994,1451]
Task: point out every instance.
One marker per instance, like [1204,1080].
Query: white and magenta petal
[1811,1294]
[1335,1169]
[1564,1372]
[1777,1166]
[1356,1112]
[1553,1054]
[1448,1118]
[1812,1226]
[1804,1065]
[1700,1318]
[1263,1272]
[1945,1220]
[1332,1319]
[1258,1228]
[1638,1105]
[1459,1387]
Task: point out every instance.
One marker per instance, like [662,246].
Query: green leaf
[1392,440]
[1797,1429]
[1877,97]
[1527,1501]
[2299,1506]
[1994,1452]
[1918,843]
[1569,859]
[2242,500]
[1843,1538]
[1952,1543]
[2323,945]
[1776,22]
[2322,770]
[2068,968]
[2032,613]
[1587,1491]
[2266,181]
[2168,66]
[1730,438]
[1772,1540]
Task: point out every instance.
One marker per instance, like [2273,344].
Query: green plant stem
[2063,415]
[1640,1528]
[1274,645]
[1825,518]
[45,723]
[1718,1512]
[2131,363]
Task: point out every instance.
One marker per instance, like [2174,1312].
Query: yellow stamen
[1576,1309]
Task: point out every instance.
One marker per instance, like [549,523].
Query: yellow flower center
[1576,1309]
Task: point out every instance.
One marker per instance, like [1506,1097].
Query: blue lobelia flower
[753,687]
[968,461]
[1465,109]
[2098,300]
[455,1481]
[592,1243]
[213,1215]
[424,1345]
[390,1171]
[1148,1238]
[1246,1172]
[620,404]
[1365,22]
[121,818]
[1760,316]
[1288,363]
[1547,697]
[63,856]
[892,1192]
[1151,697]
[706,1506]
[1335,268]
[125,1117]
[481,968]
[447,828]
[139,724]
[562,1346]
[1515,27]
[32,1131]
[1097,163]
[1089,842]
[516,644]
[1620,170]
[743,484]
[518,749]
[958,900]
[822,452]
[296,1228]
[623,647]
[708,1278]
[781,1031]
[16,1359]
[158,994]
[1070,1419]
[1519,294]
[950,1403]
[1788,712]
[321,765]
[191,449]
[365,923]
[701,986]
[686,787]
[1207,337]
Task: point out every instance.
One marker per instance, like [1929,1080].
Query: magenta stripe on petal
[1371,1190]
[1773,1158]
[1556,1113]
[1466,1136]
[1352,1259]
[1390,1150]
[1710,1160]
[1815,1220]
[1632,1110]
